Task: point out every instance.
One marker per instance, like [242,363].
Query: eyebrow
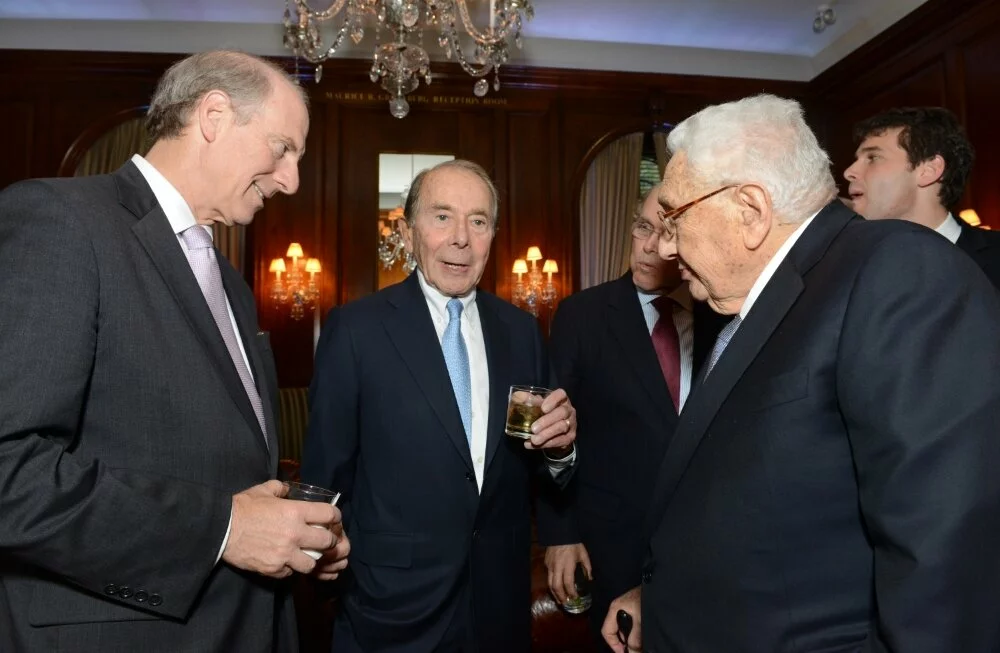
[869,148]
[441,206]
[289,145]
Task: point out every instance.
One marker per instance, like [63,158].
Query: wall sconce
[971,217]
[533,292]
[295,289]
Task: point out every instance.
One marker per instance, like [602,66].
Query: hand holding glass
[524,406]
[306,492]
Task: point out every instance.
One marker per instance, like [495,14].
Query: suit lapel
[246,322]
[628,325]
[154,234]
[411,330]
[765,316]
[496,335]
[971,239]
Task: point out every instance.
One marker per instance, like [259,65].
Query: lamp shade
[312,265]
[520,266]
[970,216]
[550,266]
[294,251]
[277,265]
[534,254]
[395,214]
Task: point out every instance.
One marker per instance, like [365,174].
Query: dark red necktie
[667,344]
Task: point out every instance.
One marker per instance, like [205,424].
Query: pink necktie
[667,344]
[201,256]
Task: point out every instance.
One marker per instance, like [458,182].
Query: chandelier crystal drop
[399,63]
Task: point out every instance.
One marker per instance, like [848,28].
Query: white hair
[762,139]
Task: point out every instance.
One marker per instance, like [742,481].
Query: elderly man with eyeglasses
[831,484]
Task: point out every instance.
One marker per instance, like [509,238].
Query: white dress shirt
[180,218]
[479,373]
[950,229]
[683,322]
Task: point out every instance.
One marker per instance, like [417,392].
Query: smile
[260,193]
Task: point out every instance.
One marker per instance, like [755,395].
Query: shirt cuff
[558,466]
[225,540]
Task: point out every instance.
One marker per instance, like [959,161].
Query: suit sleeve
[85,523]
[919,385]
[330,452]
[555,510]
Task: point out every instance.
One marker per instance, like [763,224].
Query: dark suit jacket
[983,245]
[603,356]
[124,430]
[385,430]
[832,485]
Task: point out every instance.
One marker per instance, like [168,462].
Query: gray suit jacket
[124,431]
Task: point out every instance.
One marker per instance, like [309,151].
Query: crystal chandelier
[401,60]
[391,248]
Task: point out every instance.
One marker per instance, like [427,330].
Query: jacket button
[125,592]
[111,589]
[475,534]
[141,596]
[155,600]
[469,477]
[647,573]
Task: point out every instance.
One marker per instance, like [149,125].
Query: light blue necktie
[456,357]
[721,342]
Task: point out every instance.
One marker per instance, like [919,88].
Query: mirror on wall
[395,173]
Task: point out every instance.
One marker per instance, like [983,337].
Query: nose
[287,176]
[652,243]
[851,174]
[460,232]
[667,247]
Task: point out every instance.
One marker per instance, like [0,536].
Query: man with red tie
[627,352]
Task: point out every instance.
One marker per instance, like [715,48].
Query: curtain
[117,146]
[607,202]
[660,142]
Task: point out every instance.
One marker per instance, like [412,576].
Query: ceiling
[732,38]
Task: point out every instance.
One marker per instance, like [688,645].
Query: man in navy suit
[409,403]
[627,352]
[831,484]
[912,164]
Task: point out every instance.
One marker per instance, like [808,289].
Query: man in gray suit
[138,506]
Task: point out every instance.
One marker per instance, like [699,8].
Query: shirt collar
[174,206]
[681,295]
[950,228]
[772,265]
[439,301]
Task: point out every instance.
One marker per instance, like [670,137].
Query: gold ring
[567,424]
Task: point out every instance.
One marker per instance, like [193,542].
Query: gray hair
[246,79]
[762,139]
[412,205]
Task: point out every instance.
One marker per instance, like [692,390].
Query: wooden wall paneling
[981,58]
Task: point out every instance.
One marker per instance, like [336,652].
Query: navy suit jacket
[832,484]
[603,356]
[385,430]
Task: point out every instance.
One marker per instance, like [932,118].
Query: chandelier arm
[469,68]
[337,42]
[325,14]
[498,36]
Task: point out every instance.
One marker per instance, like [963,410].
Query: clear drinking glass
[306,492]
[524,406]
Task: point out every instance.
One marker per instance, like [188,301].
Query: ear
[930,171]
[213,112]
[755,214]
[407,233]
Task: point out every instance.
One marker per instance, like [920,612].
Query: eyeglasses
[670,218]
[642,230]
